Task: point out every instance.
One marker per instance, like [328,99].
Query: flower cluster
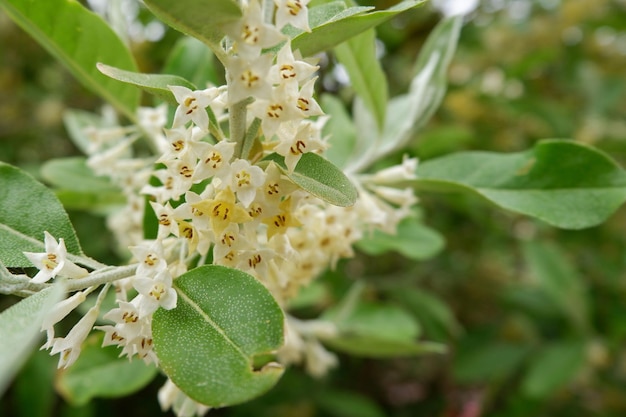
[227,197]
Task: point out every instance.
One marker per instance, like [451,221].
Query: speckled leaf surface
[224,318]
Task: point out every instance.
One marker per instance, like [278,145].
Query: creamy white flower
[192,105]
[214,161]
[251,34]
[244,179]
[58,313]
[294,13]
[249,78]
[70,345]
[157,292]
[288,69]
[53,261]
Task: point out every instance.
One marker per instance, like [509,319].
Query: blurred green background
[534,316]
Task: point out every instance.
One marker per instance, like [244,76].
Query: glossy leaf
[155,84]
[344,26]
[376,330]
[553,367]
[27,209]
[563,183]
[320,178]
[550,269]
[358,56]
[224,319]
[79,39]
[20,327]
[202,20]
[101,372]
[412,239]
[194,61]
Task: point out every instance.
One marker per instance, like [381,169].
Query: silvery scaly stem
[22,285]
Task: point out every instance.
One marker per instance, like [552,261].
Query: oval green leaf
[101,372]
[412,239]
[155,84]
[563,183]
[207,345]
[20,326]
[79,39]
[343,26]
[378,331]
[320,178]
[27,209]
[72,173]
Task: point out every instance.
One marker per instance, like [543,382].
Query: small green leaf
[207,344]
[348,404]
[155,84]
[488,362]
[344,26]
[553,367]
[320,178]
[376,330]
[434,314]
[358,56]
[20,326]
[560,280]
[27,209]
[73,174]
[412,239]
[79,39]
[101,372]
[563,183]
[340,128]
[202,20]
[194,61]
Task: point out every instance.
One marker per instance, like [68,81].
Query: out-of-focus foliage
[533,316]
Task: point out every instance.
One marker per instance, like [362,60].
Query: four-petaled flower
[53,261]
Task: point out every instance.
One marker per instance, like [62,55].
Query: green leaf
[563,183]
[412,239]
[155,84]
[202,20]
[79,39]
[434,315]
[358,56]
[207,344]
[553,367]
[320,178]
[376,330]
[20,326]
[27,209]
[348,404]
[488,362]
[194,61]
[101,372]
[560,280]
[340,128]
[343,26]
[72,173]
[409,113]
